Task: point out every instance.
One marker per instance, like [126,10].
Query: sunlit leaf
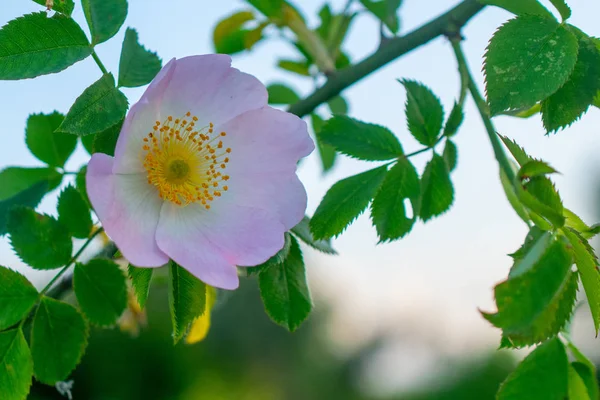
[17,297]
[140,280]
[16,366]
[187,299]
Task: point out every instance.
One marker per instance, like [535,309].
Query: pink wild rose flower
[204,173]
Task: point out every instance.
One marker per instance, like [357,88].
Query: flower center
[186,164]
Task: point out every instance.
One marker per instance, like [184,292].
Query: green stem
[391,50]
[100,65]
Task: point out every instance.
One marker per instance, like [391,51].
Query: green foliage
[101,291]
[345,201]
[536,244]
[511,196]
[29,197]
[535,168]
[98,108]
[187,299]
[58,340]
[278,258]
[338,105]
[563,8]
[297,67]
[386,11]
[327,153]
[573,99]
[424,113]
[517,151]
[106,141]
[542,375]
[333,30]
[577,388]
[34,45]
[230,36]
[137,66]
[140,280]
[450,155]
[588,376]
[270,8]
[528,59]
[74,213]
[520,7]
[302,232]
[17,298]
[16,366]
[539,195]
[39,240]
[104,17]
[284,290]
[280,93]
[437,192]
[388,211]
[52,148]
[359,139]
[15,180]
[454,121]
[81,184]
[62,6]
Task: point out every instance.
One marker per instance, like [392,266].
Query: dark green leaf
[540,196]
[573,99]
[104,17]
[106,141]
[138,66]
[454,121]
[302,232]
[74,213]
[520,7]
[62,6]
[437,193]
[424,112]
[511,196]
[29,198]
[88,143]
[588,375]
[326,152]
[280,93]
[386,11]
[16,179]
[345,201]
[17,298]
[52,148]
[284,290]
[338,105]
[535,168]
[278,258]
[81,184]
[527,60]
[16,366]
[298,67]
[388,210]
[517,151]
[577,388]
[450,155]
[140,280]
[58,340]
[34,45]
[39,240]
[547,366]
[99,107]
[101,291]
[187,299]
[563,8]
[359,139]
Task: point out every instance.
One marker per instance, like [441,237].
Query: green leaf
[284,290]
[270,8]
[187,299]
[577,388]
[16,179]
[454,121]
[101,291]
[98,108]
[388,211]
[587,266]
[535,168]
[529,254]
[88,143]
[517,151]
[106,141]
[297,67]
[302,232]
[573,99]
[62,6]
[230,37]
[326,152]
[359,139]
[338,105]
[278,258]
[437,193]
[52,148]
[547,366]
[140,280]
[520,7]
[524,112]
[81,184]
[527,60]
[16,366]
[539,195]
[511,196]
[17,298]
[58,340]
[74,213]
[386,11]
[34,45]
[562,7]
[280,93]
[450,155]
[344,202]
[588,376]
[29,197]
[424,113]
[104,17]
[39,240]
[137,66]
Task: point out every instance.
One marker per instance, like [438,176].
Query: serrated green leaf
[187,299]
[137,66]
[299,67]
[588,376]
[562,7]
[74,213]
[520,7]
[280,93]
[39,240]
[437,192]
[535,168]
[58,340]
[62,6]
[388,211]
[81,184]
[450,155]
[29,197]
[284,290]
[16,366]
[547,366]
[140,280]
[577,388]
[360,139]
[517,151]
[106,141]
[344,202]
[98,108]
[34,45]
[454,121]
[524,112]
[539,195]
[424,113]
[104,17]
[511,196]
[573,99]
[326,152]
[528,59]
[528,255]
[278,258]
[302,232]
[338,105]
[52,148]
[386,11]
[101,291]
[17,179]
[17,298]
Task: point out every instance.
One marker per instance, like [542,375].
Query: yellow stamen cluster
[186,164]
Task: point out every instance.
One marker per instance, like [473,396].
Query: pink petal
[128,208]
